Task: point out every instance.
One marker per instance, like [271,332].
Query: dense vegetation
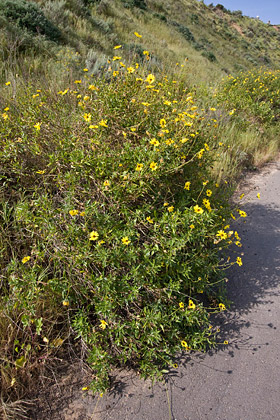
[116,170]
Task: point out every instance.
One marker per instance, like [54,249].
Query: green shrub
[209,55]
[29,16]
[254,95]
[184,30]
[116,223]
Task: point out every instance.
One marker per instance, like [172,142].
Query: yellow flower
[125,240]
[239,261]
[184,344]
[116,58]
[175,365]
[115,73]
[258,195]
[130,69]
[162,123]
[25,259]
[154,142]
[222,307]
[242,213]
[225,342]
[165,204]
[139,167]
[187,185]
[208,193]
[103,324]
[146,53]
[93,236]
[82,213]
[138,35]
[150,79]
[92,87]
[200,153]
[6,109]
[170,209]
[192,226]
[221,234]
[103,123]
[7,83]
[149,219]
[117,47]
[73,212]
[65,303]
[153,166]
[85,69]
[106,183]
[181,305]
[198,209]
[37,126]
[87,117]
[41,172]
[78,81]
[191,304]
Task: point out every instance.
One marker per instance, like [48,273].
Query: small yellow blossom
[184,344]
[198,209]
[181,305]
[85,70]
[115,73]
[117,47]
[103,123]
[25,259]
[221,234]
[170,209]
[165,204]
[92,87]
[106,183]
[153,166]
[93,236]
[73,212]
[78,81]
[103,324]
[192,226]
[150,79]
[175,365]
[225,342]
[87,117]
[239,261]
[82,214]
[154,142]
[149,219]
[41,172]
[138,35]
[65,303]
[130,69]
[125,240]
[139,167]
[259,196]
[242,213]
[37,126]
[7,83]
[191,304]
[208,193]
[187,185]
[222,307]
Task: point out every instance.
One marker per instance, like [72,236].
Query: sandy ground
[240,381]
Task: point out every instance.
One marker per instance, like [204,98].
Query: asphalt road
[240,381]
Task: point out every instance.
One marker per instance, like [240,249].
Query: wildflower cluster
[120,220]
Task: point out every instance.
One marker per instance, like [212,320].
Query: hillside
[124,126]
[215,41]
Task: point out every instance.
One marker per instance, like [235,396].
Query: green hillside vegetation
[124,126]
